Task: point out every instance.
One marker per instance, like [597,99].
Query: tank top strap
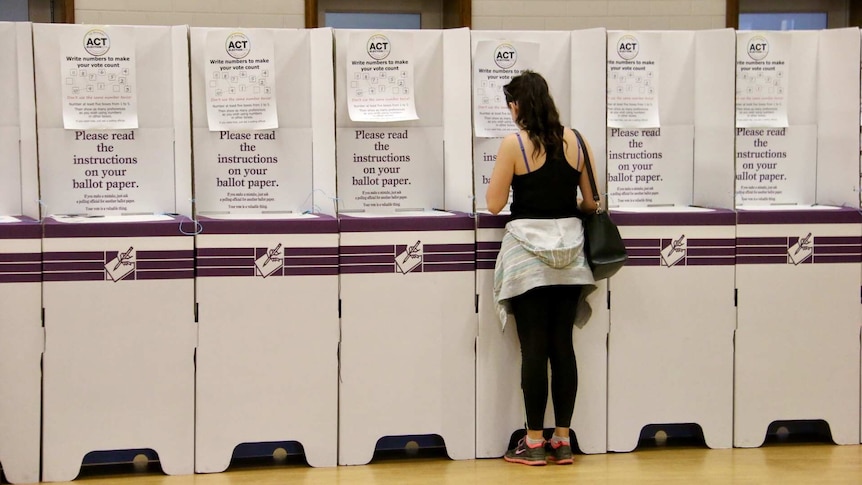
[523,152]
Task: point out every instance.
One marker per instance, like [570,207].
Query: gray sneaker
[560,454]
[526,455]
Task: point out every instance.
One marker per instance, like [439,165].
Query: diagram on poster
[776,165]
[633,79]
[380,77]
[97,66]
[762,67]
[240,80]
[495,63]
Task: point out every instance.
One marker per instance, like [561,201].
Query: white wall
[487,14]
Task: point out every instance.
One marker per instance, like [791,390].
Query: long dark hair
[537,113]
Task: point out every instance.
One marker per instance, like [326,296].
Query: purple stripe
[449,248]
[710,261]
[370,268]
[826,216]
[488,245]
[838,239]
[74,256]
[761,259]
[27,228]
[20,257]
[487,221]
[147,265]
[321,261]
[648,243]
[164,275]
[207,272]
[54,229]
[21,268]
[455,222]
[635,252]
[385,249]
[311,271]
[718,217]
[206,252]
[20,278]
[178,254]
[322,251]
[438,268]
[443,258]
[730,242]
[322,224]
[487,254]
[838,259]
[762,250]
[710,252]
[74,266]
[643,262]
[369,259]
[820,249]
[96,276]
[225,262]
[761,241]
[485,264]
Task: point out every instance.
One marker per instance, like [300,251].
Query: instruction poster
[762,68]
[390,169]
[776,165]
[380,77]
[97,66]
[495,63]
[240,80]
[650,167]
[633,79]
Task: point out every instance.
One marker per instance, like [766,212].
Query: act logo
[758,48]
[505,56]
[378,47]
[237,45]
[96,42]
[628,47]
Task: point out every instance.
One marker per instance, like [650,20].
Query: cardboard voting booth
[408,322]
[670,171]
[798,249]
[21,334]
[114,139]
[267,242]
[573,63]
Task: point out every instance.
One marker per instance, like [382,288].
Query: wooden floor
[778,463]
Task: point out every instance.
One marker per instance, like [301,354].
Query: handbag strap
[589,167]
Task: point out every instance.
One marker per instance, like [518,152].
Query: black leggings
[545,317]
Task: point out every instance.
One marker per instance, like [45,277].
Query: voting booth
[573,63]
[21,334]
[670,183]
[267,242]
[798,245]
[114,143]
[406,255]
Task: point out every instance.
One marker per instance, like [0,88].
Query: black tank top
[549,192]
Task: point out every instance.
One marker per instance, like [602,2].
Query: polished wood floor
[774,463]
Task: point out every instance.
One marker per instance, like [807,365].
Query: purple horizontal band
[492,245]
[75,276]
[642,243]
[826,216]
[717,217]
[449,248]
[843,258]
[729,242]
[485,264]
[710,261]
[205,252]
[26,228]
[310,271]
[488,254]
[224,262]
[369,268]
[143,265]
[377,249]
[762,250]
[487,221]
[820,249]
[695,251]
[322,251]
[322,224]
[366,259]
[208,272]
[20,278]
[761,259]
[55,229]
[437,268]
[644,262]
[635,252]
[165,275]
[857,240]
[761,241]
[176,254]
[455,222]
[74,256]
[20,267]
[312,261]
[20,257]
[51,267]
[448,257]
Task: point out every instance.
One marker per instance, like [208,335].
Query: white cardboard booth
[573,64]
[118,296]
[267,267]
[798,245]
[670,171]
[408,321]
[21,334]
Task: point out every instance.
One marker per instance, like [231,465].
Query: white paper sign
[633,77]
[762,68]
[97,66]
[380,77]
[495,63]
[240,80]
[650,166]
[776,165]
[389,169]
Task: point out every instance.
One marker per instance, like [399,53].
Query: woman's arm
[497,195]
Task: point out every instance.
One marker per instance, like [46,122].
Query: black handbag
[604,248]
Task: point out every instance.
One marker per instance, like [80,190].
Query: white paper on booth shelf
[762,78]
[98,66]
[240,80]
[495,63]
[634,61]
[380,76]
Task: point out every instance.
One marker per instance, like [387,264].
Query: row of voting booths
[327,267]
